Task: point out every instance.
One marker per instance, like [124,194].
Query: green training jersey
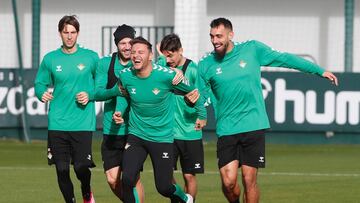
[185,116]
[108,95]
[69,74]
[152,103]
[235,81]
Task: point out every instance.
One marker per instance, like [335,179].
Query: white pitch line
[209,172]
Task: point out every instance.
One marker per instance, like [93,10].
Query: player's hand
[178,77]
[331,77]
[192,96]
[82,98]
[47,96]
[122,89]
[117,117]
[199,124]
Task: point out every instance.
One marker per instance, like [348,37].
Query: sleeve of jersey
[121,104]
[101,93]
[95,58]
[42,80]
[194,80]
[270,57]
[203,85]
[186,87]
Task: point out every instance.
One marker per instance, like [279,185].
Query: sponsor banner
[294,102]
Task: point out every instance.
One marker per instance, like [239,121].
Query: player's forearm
[102,94]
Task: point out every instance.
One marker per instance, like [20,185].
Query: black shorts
[161,155]
[191,154]
[70,147]
[248,148]
[112,151]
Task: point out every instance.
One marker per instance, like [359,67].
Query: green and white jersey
[108,95]
[185,116]
[69,74]
[152,103]
[235,81]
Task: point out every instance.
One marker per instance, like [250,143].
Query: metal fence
[152,33]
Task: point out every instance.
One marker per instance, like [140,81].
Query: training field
[294,173]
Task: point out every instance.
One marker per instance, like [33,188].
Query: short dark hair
[170,42]
[141,40]
[221,21]
[70,20]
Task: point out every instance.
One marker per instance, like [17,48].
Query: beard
[220,54]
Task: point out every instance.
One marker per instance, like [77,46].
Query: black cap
[122,32]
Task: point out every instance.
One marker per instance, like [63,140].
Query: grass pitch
[293,173]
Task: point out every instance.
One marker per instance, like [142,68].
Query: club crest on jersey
[81,66]
[242,64]
[58,68]
[133,91]
[218,71]
[156,91]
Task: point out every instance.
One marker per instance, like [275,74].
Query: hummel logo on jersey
[133,91]
[127,145]
[261,159]
[58,68]
[156,91]
[218,71]
[89,157]
[242,64]
[81,66]
[185,81]
[197,165]
[165,155]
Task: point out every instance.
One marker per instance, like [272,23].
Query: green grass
[294,173]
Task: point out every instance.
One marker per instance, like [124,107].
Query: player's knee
[81,168]
[249,181]
[62,168]
[165,190]
[229,184]
[190,178]
[129,180]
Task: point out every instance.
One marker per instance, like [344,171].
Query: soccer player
[232,71]
[71,70]
[151,113]
[188,144]
[114,136]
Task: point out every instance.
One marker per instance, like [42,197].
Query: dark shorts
[191,154]
[112,151]
[70,147]
[161,155]
[248,148]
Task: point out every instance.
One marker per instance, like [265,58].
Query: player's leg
[60,155]
[228,163]
[252,157]
[192,163]
[134,157]
[161,155]
[112,149]
[83,160]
